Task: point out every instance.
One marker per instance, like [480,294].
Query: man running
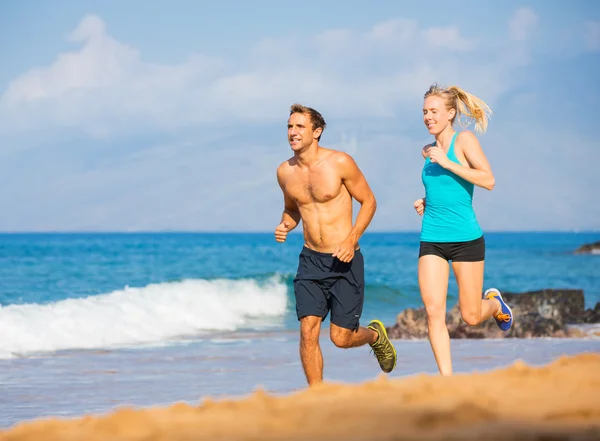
[318,186]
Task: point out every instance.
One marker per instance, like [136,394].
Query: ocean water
[99,291]
[89,322]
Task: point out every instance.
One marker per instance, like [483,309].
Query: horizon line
[297,232]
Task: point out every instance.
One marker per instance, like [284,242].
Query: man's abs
[325,229]
[324,203]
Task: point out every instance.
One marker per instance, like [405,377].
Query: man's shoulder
[337,156]
[285,166]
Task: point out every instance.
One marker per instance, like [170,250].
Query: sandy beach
[559,400]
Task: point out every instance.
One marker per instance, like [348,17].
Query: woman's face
[435,115]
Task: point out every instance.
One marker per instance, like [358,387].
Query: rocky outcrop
[589,248]
[545,313]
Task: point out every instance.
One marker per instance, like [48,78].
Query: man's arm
[359,189]
[291,214]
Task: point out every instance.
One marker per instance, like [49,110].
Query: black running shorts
[324,283]
[470,251]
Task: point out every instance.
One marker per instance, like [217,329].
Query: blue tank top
[449,214]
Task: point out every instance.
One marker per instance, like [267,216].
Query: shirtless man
[318,185]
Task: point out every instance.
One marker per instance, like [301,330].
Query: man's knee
[341,337]
[310,327]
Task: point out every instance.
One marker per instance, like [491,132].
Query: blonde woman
[454,165]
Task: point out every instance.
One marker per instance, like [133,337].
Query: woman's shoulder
[465,139]
[465,136]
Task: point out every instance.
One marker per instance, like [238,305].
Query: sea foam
[136,316]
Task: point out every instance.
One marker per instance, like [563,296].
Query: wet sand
[560,400]
[72,384]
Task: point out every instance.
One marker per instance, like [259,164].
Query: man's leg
[310,350]
[348,338]
[374,334]
[311,309]
[347,298]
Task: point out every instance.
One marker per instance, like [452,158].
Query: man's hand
[420,206]
[345,251]
[281,231]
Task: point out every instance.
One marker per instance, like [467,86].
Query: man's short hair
[315,117]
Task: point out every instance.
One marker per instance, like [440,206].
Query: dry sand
[555,402]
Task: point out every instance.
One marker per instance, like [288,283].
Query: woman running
[454,164]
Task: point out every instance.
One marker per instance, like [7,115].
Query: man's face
[300,131]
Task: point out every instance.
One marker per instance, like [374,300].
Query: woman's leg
[469,278]
[433,283]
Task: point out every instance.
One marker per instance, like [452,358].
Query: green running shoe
[383,348]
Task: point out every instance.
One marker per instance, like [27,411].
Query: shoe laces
[501,315]
[380,351]
[504,317]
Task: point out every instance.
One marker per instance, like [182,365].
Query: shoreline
[77,383]
[558,399]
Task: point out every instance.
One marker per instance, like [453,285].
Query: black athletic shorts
[324,283]
[470,251]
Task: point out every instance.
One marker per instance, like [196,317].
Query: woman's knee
[471,317]
[436,314]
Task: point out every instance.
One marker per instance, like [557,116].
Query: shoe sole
[499,295]
[388,339]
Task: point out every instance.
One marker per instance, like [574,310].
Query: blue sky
[128,116]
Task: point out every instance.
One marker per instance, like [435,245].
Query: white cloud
[522,24]
[228,183]
[449,38]
[397,31]
[592,35]
[214,172]
[181,185]
[536,193]
[101,63]
[107,87]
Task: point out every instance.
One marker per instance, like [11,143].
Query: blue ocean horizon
[82,290]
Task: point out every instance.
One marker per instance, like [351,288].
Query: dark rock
[563,305]
[533,324]
[591,315]
[545,313]
[411,323]
[589,248]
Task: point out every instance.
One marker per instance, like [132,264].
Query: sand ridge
[557,401]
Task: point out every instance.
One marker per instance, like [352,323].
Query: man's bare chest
[313,188]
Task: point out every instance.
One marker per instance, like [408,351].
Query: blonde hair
[463,103]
